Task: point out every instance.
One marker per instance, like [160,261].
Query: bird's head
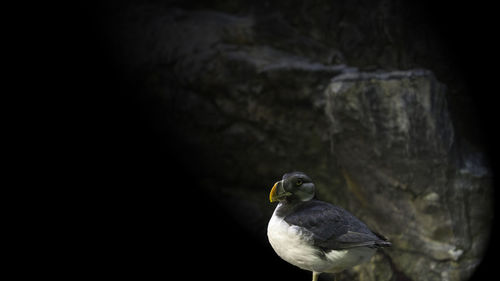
[295,186]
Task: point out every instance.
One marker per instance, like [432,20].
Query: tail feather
[383,242]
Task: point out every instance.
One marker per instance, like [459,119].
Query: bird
[315,235]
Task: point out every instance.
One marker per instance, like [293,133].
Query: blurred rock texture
[358,98]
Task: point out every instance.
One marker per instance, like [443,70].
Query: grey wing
[334,228]
[354,239]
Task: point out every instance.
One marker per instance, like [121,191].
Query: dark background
[167,228]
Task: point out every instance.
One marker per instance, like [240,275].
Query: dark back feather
[333,228]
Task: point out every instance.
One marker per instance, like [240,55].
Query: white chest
[292,244]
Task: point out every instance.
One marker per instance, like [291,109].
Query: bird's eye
[299,182]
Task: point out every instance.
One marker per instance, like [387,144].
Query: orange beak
[272,195]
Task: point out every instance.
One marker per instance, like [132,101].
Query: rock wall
[255,96]
[393,137]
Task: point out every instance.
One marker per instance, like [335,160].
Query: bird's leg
[315,275]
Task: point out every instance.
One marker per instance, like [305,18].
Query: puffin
[315,235]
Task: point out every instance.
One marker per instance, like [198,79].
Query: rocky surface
[394,139]
[256,96]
